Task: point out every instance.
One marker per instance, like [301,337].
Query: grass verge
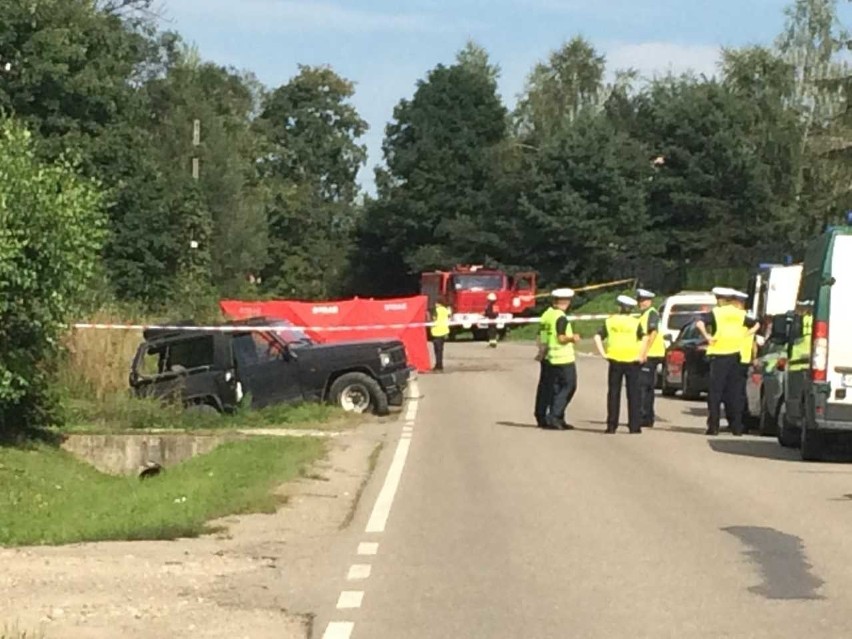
[50,498]
[122,413]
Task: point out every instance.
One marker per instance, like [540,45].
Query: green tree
[559,90]
[437,196]
[51,231]
[714,188]
[583,207]
[310,163]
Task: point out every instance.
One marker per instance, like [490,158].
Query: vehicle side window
[191,353]
[153,362]
[255,348]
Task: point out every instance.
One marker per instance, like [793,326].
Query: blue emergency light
[849,218]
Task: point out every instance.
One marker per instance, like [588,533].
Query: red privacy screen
[387,319]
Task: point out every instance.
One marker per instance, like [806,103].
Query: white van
[680,309]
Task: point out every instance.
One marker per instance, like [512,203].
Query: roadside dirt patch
[244,582]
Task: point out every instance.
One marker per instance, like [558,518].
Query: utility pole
[196,142]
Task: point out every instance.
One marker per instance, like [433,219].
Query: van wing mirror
[781,325]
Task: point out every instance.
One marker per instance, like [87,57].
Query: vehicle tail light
[781,365]
[819,352]
[676,357]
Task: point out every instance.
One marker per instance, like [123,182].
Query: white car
[677,311]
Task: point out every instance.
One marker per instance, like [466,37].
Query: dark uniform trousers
[629,373]
[563,385]
[543,394]
[741,385]
[647,384]
[438,345]
[726,385]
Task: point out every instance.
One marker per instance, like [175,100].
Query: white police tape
[247,328]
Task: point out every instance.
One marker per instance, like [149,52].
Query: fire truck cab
[466,289]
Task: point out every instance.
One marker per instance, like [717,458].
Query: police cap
[644,294]
[562,293]
[626,301]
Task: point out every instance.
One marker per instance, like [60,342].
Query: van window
[683,314]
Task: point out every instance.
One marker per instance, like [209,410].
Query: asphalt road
[501,530]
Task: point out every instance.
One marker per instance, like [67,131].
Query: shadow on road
[765,449]
[517,425]
[696,411]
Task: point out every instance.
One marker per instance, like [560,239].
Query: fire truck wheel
[359,393]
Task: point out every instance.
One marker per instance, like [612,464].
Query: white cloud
[277,16]
[658,58]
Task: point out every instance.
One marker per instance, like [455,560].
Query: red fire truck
[466,290]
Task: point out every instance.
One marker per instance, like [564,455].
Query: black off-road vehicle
[210,371]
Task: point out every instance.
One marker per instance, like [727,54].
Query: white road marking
[359,571]
[381,511]
[338,630]
[368,548]
[411,411]
[350,599]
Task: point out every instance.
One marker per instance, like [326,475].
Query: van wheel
[813,446]
[359,393]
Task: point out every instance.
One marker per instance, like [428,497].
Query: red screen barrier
[345,313]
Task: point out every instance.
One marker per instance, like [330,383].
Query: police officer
[560,302]
[561,361]
[440,331]
[491,313]
[651,357]
[723,331]
[623,336]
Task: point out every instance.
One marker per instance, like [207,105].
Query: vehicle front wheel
[202,409]
[359,393]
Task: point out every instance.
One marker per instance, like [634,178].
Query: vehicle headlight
[384,359]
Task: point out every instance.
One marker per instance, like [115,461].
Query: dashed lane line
[359,572]
[338,630]
[350,599]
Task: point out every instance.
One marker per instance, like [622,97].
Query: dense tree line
[594,169]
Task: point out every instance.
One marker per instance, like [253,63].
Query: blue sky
[386,46]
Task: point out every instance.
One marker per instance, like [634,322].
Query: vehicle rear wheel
[666,390]
[689,391]
[359,393]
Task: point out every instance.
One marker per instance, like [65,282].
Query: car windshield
[478,282]
[683,314]
[289,334]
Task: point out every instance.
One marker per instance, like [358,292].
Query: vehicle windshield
[478,282]
[683,314]
[289,334]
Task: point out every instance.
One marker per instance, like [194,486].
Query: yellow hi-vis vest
[747,348]
[658,346]
[800,352]
[730,322]
[558,354]
[545,325]
[441,328]
[622,338]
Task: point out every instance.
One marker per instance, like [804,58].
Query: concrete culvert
[151,470]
